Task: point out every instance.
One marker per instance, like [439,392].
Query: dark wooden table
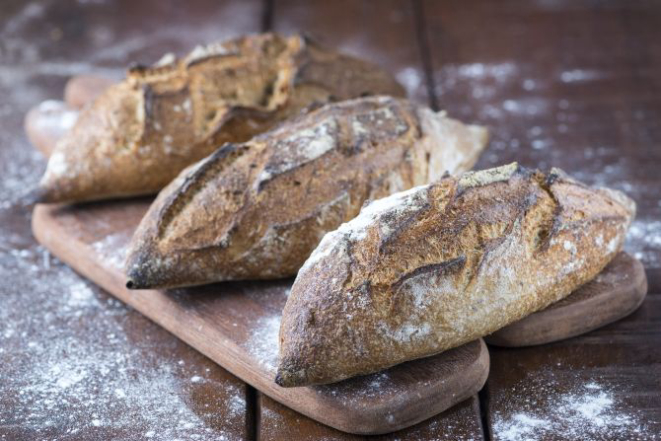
[568,83]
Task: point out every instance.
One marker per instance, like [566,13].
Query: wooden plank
[75,363]
[237,324]
[280,423]
[383,33]
[567,84]
[277,422]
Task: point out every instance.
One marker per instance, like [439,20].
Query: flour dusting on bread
[300,148]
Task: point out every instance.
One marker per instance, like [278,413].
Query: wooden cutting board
[236,325]
[615,293]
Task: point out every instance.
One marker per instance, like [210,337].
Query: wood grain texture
[604,122]
[615,293]
[236,325]
[614,371]
[566,84]
[42,44]
[561,84]
[278,423]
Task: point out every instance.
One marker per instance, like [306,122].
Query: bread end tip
[37,195]
[279,379]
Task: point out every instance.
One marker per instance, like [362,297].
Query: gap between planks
[268,7]
[483,410]
[253,410]
[252,414]
[420,25]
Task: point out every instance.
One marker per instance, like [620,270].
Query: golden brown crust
[257,210]
[430,269]
[139,134]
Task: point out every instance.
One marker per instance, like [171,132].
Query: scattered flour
[411,78]
[588,411]
[113,248]
[76,365]
[74,362]
[263,344]
[19,173]
[300,148]
[579,75]
[55,117]
[644,241]
[484,79]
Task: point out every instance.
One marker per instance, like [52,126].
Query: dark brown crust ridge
[432,268]
[139,134]
[256,210]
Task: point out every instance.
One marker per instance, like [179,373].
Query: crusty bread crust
[139,134]
[257,210]
[437,266]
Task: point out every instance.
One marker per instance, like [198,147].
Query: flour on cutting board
[55,117]
[263,343]
[113,249]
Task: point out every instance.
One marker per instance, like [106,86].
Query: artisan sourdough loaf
[257,210]
[139,134]
[437,266]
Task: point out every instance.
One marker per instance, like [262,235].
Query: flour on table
[485,78]
[587,411]
[74,366]
[580,75]
[19,173]
[411,78]
[644,241]
[99,377]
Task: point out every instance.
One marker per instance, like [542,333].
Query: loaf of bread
[257,210]
[432,268]
[139,134]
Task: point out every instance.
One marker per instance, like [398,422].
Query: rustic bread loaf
[139,134]
[437,266]
[257,210]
